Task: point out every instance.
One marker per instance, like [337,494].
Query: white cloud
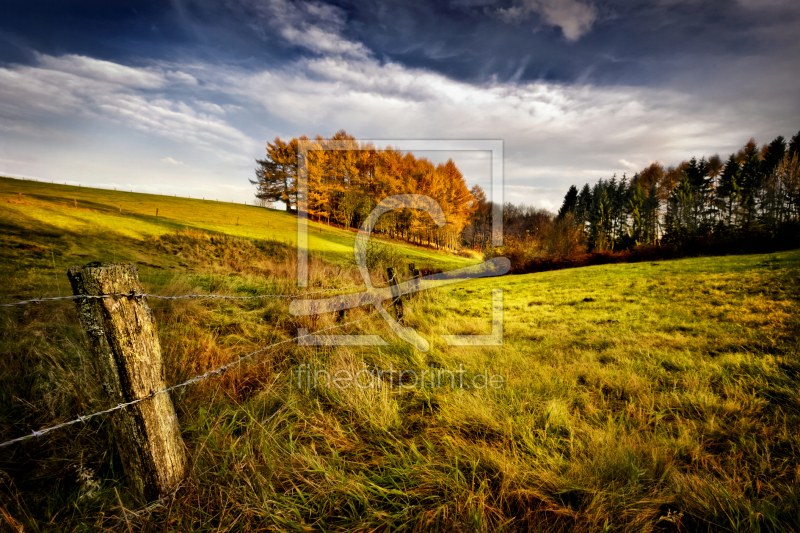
[210,107]
[574,17]
[88,68]
[394,101]
[171,161]
[313,25]
[174,120]
[181,77]
[554,134]
[547,204]
[81,86]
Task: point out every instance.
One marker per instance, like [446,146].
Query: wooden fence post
[125,345]
[398,299]
[414,276]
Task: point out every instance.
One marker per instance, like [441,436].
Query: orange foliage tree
[347,179]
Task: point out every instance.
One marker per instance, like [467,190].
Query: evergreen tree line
[347,179]
[754,190]
[747,203]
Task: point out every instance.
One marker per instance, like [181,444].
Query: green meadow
[629,397]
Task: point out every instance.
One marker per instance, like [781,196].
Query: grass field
[640,397]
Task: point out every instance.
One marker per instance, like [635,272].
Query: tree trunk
[125,345]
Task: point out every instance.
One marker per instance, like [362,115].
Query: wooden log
[123,339]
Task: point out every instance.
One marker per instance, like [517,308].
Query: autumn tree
[788,175]
[478,232]
[347,179]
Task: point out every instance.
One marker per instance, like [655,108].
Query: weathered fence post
[398,299]
[414,278]
[124,342]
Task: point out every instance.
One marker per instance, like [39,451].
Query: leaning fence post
[398,300]
[125,345]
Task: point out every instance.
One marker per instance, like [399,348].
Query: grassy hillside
[636,397]
[110,225]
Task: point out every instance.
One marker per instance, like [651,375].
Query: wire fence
[128,513]
[191,381]
[183,296]
[81,419]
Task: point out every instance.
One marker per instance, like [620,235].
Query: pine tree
[681,208]
[773,155]
[636,207]
[570,202]
[583,205]
[652,209]
[700,182]
[727,191]
[650,180]
[751,180]
[599,218]
[794,146]
[276,175]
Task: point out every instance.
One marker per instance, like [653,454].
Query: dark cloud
[630,42]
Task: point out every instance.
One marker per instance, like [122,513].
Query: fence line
[217,371]
[160,297]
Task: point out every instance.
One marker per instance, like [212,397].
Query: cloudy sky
[180,97]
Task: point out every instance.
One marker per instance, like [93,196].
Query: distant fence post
[398,299]
[124,342]
[414,276]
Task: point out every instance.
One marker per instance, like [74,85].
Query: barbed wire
[139,512]
[183,296]
[217,371]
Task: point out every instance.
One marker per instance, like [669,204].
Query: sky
[181,97]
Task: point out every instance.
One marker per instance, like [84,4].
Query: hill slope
[106,225]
